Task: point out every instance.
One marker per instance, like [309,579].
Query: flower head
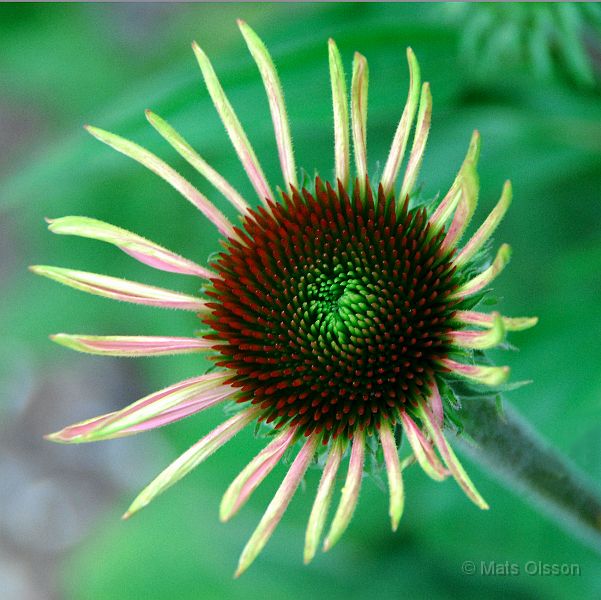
[340,314]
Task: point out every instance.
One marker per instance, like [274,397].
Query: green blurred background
[526,76]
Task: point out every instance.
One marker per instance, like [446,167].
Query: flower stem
[509,447]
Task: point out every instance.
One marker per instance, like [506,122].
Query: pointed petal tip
[43,270]
[126,515]
[95,131]
[224,517]
[505,251]
[57,438]
[226,510]
[496,376]
[198,51]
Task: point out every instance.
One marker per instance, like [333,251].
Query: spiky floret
[332,312]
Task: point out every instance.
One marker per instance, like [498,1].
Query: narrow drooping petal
[183,148]
[471,317]
[350,492]
[123,345]
[480,340]
[450,459]
[141,249]
[170,175]
[201,392]
[187,409]
[278,505]
[277,106]
[487,228]
[359,89]
[486,277]
[253,474]
[120,289]
[241,144]
[192,458]
[323,498]
[449,203]
[481,374]
[468,200]
[341,119]
[393,470]
[401,136]
[422,128]
[422,449]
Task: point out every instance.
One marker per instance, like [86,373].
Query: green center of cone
[338,305]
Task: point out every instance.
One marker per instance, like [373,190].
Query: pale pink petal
[393,470]
[466,206]
[422,128]
[170,175]
[123,345]
[277,106]
[482,374]
[185,409]
[120,289]
[422,449]
[200,392]
[350,492]
[243,148]
[435,402]
[341,119]
[449,203]
[480,340]
[192,458]
[487,228]
[480,281]
[323,498]
[471,317]
[278,505]
[449,457]
[254,473]
[359,90]
[183,148]
[401,136]
[141,249]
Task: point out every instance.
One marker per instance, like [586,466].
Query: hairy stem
[509,447]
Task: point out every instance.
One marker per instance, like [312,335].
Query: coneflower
[341,314]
